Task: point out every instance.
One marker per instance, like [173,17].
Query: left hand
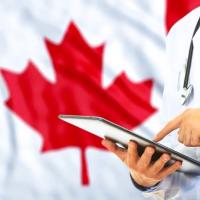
[189,128]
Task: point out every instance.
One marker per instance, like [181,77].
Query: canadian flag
[104,58]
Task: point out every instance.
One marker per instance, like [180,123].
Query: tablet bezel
[159,147]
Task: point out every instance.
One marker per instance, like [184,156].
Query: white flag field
[89,57]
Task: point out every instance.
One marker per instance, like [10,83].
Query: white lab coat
[180,186]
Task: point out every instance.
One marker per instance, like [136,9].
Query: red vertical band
[176,9]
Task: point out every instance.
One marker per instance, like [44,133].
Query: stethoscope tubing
[189,60]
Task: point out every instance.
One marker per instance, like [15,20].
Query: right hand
[143,171]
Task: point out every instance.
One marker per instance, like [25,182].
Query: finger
[195,140]
[187,136]
[170,170]
[180,135]
[172,125]
[159,164]
[112,147]
[145,159]
[132,155]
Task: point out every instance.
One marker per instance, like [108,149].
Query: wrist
[143,181]
[142,188]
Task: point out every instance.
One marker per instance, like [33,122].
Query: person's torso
[178,43]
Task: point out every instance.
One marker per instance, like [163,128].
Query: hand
[189,128]
[143,171]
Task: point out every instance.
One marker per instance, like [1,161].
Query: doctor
[181,116]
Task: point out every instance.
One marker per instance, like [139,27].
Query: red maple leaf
[78,90]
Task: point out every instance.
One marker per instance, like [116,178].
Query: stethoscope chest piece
[185,94]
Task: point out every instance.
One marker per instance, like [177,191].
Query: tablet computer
[104,128]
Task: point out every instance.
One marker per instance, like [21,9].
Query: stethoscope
[188,88]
